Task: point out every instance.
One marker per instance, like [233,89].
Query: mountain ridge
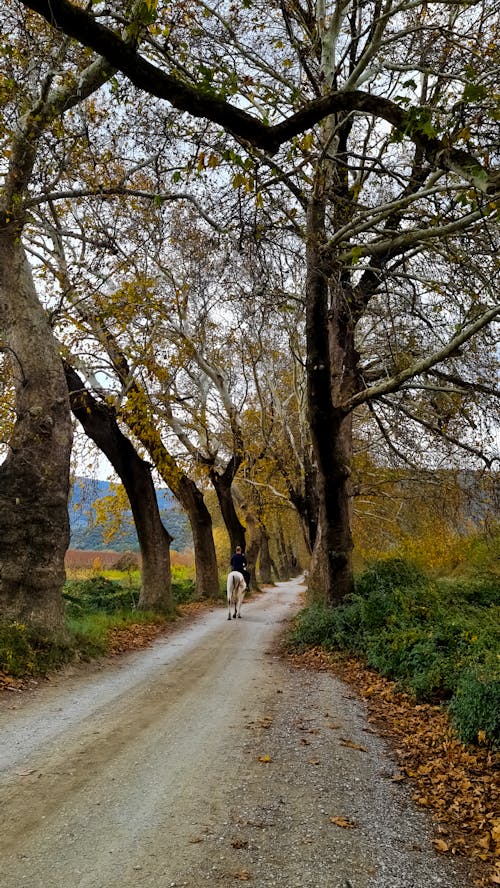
[87,534]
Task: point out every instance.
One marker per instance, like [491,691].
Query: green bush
[475,708]
[98,594]
[429,636]
[421,658]
[316,626]
[481,591]
[388,575]
[183,590]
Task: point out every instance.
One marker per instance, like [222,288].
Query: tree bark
[34,489]
[207,575]
[253,546]
[331,373]
[264,556]
[100,424]
[222,484]
[283,566]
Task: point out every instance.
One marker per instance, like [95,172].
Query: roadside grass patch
[95,633]
[183,584]
[98,610]
[27,651]
[440,639]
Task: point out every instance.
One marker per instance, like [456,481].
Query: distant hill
[85,534]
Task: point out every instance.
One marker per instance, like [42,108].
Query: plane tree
[34,476]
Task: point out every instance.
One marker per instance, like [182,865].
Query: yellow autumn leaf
[495,831]
[265,758]
[343,822]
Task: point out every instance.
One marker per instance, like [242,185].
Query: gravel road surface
[207,760]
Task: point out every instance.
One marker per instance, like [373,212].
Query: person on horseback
[239,563]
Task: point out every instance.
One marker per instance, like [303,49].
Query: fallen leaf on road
[351,745]
[265,759]
[343,822]
[441,845]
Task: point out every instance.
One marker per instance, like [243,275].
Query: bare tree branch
[395,382]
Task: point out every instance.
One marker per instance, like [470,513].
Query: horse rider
[239,563]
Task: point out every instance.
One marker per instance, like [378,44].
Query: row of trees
[249,247]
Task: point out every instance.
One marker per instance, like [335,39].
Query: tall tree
[34,478]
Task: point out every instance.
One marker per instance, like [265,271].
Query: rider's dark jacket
[238,562]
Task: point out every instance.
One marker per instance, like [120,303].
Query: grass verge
[440,640]
[101,618]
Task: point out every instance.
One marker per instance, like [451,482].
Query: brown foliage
[86,558]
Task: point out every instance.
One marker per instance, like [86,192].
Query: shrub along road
[207,760]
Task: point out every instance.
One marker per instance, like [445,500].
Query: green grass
[95,605]
[439,639]
[27,651]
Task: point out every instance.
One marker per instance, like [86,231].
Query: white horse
[236,587]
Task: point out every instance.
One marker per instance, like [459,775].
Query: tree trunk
[253,546]
[264,557]
[284,572]
[100,424]
[331,366]
[207,574]
[34,479]
[222,484]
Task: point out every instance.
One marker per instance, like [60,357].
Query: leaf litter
[458,785]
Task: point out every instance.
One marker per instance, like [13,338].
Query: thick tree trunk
[100,424]
[331,365]
[331,577]
[34,479]
[222,484]
[207,575]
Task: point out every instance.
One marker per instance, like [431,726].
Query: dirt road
[206,760]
